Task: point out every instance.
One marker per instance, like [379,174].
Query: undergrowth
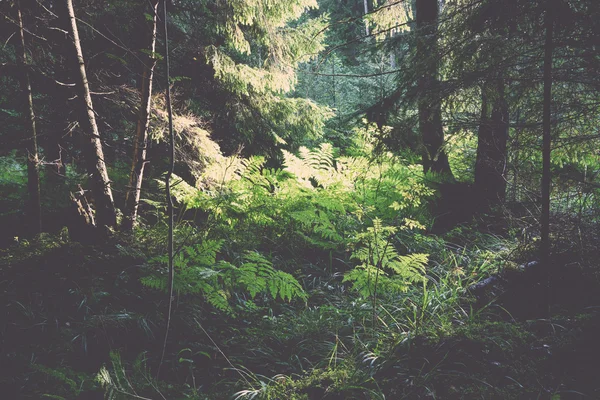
[314,280]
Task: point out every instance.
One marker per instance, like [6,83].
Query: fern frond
[258,275]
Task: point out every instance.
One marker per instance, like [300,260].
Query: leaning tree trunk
[94,155]
[490,164]
[34,208]
[430,113]
[141,132]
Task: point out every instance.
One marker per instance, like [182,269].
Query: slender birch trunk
[141,132]
[34,208]
[94,155]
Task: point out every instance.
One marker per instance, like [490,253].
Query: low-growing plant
[381,268]
[199,272]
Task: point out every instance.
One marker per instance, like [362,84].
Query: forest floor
[73,313]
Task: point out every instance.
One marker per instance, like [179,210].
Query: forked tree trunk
[94,155]
[141,132]
[430,112]
[34,208]
[490,165]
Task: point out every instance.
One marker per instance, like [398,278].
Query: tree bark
[34,208]
[547,139]
[366,6]
[546,146]
[490,164]
[430,113]
[141,132]
[93,152]
[515,157]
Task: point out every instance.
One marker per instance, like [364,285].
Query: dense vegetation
[299,199]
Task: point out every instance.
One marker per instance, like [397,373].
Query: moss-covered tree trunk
[430,112]
[141,132]
[34,209]
[92,149]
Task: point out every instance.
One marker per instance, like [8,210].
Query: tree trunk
[82,226]
[490,165]
[141,132]
[546,146]
[430,114]
[94,155]
[34,208]
[366,5]
[515,155]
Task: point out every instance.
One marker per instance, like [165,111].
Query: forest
[299,199]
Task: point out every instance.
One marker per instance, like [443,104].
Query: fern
[317,201]
[71,383]
[321,159]
[198,272]
[317,218]
[193,264]
[368,280]
[410,267]
[258,275]
[253,165]
[381,265]
[317,164]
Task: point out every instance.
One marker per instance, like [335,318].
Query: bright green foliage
[267,23]
[197,271]
[317,201]
[297,119]
[257,275]
[317,165]
[382,268]
[262,43]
